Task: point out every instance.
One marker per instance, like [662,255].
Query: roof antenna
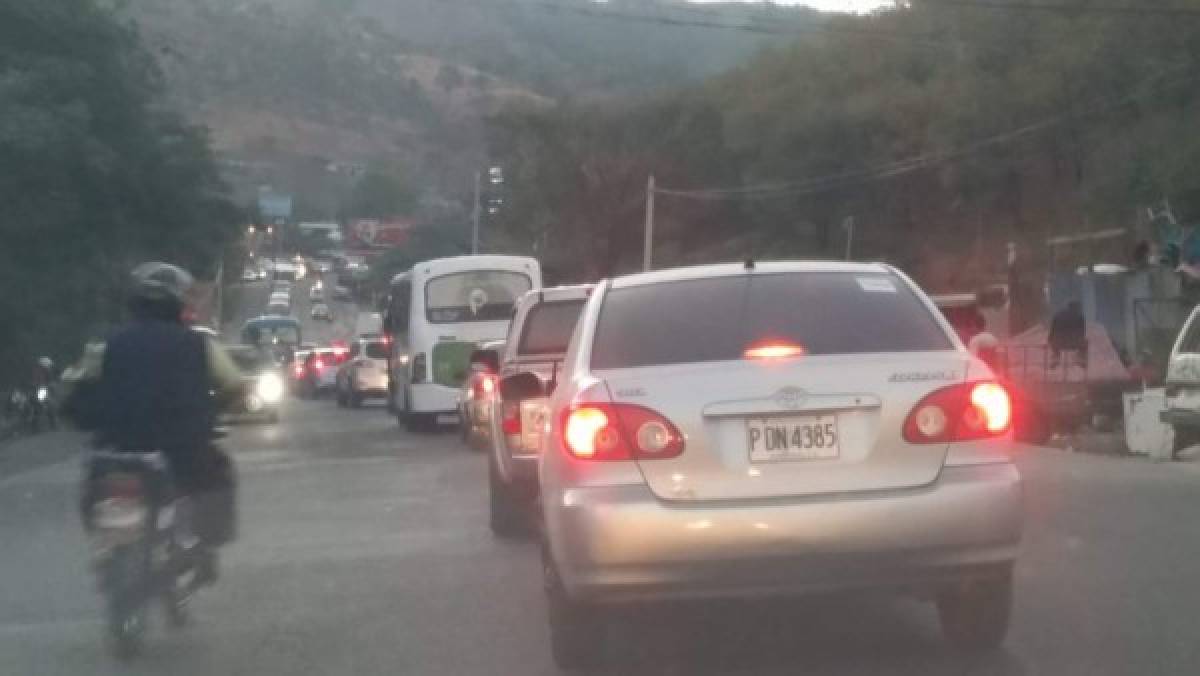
[749,264]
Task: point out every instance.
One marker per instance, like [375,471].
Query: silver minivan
[740,431]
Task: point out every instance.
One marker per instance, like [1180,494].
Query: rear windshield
[376,350]
[478,295]
[549,326]
[718,318]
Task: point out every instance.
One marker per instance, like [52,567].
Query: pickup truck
[542,325]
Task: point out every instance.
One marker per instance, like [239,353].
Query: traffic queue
[726,431]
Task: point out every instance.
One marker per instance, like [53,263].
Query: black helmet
[161,281]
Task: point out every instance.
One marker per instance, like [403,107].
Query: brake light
[319,365]
[510,418]
[619,432]
[773,350]
[123,485]
[484,385]
[960,413]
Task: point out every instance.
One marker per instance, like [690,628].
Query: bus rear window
[475,296]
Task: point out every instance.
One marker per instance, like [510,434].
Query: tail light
[483,386]
[121,509]
[619,432]
[298,370]
[960,413]
[510,422]
[319,364]
[418,368]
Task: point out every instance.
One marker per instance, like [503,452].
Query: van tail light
[960,413]
[605,431]
[319,365]
[483,386]
[510,422]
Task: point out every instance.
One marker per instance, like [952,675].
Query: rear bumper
[620,543]
[371,383]
[433,398]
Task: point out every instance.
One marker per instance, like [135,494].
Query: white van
[437,313]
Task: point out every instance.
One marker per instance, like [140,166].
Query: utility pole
[648,246]
[848,226]
[220,291]
[475,219]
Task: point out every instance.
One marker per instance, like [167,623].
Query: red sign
[371,233]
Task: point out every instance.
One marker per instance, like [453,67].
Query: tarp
[1027,357]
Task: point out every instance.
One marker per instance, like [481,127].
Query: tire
[339,397]
[126,609]
[506,514]
[577,633]
[974,615]
[1185,437]
[354,400]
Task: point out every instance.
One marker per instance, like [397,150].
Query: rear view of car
[364,374]
[785,428]
[543,322]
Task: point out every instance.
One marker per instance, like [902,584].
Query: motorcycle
[41,411]
[143,546]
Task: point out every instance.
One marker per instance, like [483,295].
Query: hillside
[292,87]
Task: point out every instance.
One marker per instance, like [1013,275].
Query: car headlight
[269,387]
[43,394]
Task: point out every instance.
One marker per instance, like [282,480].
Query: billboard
[366,233]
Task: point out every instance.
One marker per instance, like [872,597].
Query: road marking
[21,628]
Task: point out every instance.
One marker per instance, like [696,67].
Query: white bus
[437,313]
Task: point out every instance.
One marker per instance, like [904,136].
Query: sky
[828,5]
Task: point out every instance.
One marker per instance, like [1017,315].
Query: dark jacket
[154,393]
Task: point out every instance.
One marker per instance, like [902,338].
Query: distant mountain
[295,89]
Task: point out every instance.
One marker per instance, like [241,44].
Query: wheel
[576,629]
[340,398]
[506,513]
[355,399]
[1185,437]
[974,615]
[126,608]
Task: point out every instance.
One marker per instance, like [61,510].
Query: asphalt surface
[365,550]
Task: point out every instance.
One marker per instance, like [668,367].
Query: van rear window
[718,318]
[549,326]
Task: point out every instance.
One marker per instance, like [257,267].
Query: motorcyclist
[155,392]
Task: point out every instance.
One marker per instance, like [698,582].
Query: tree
[379,194]
[96,174]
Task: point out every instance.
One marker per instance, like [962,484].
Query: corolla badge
[791,397]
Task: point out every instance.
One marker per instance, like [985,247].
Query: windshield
[719,318]
[376,350]
[479,295]
[548,327]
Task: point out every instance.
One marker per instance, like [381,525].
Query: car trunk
[800,427]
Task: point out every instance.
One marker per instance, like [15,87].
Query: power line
[915,163]
[746,26]
[1063,8]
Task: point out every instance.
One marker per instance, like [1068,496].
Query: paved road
[365,551]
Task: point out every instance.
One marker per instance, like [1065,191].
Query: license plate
[793,438]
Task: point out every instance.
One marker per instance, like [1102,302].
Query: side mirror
[521,386]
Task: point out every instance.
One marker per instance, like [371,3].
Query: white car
[364,374]
[761,430]
[321,311]
[316,294]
